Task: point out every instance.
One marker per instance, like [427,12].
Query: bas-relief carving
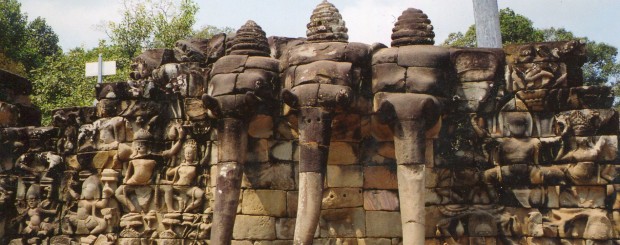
[528,160]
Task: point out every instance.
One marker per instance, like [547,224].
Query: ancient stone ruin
[248,139]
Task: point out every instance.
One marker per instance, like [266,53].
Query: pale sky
[368,21]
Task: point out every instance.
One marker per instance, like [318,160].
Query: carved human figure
[69,124]
[110,132]
[139,170]
[181,178]
[513,155]
[35,214]
[90,218]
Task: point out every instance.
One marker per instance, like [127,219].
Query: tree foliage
[601,66]
[152,24]
[60,82]
[24,45]
[206,32]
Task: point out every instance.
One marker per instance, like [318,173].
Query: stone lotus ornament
[411,109]
[239,83]
[326,24]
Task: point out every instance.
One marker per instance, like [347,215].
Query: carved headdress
[413,27]
[326,25]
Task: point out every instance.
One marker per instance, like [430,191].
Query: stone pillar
[486,14]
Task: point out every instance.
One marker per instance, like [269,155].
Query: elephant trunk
[410,116]
[232,139]
[410,148]
[315,133]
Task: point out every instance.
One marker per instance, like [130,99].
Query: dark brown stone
[388,77]
[328,72]
[423,56]
[229,64]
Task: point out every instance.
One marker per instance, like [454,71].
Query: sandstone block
[380,177]
[261,126]
[282,150]
[265,63]
[385,55]
[344,176]
[285,228]
[346,222]
[342,153]
[254,228]
[258,150]
[381,200]
[277,176]
[342,198]
[423,56]
[291,203]
[229,64]
[264,202]
[388,77]
[328,72]
[383,224]
[374,241]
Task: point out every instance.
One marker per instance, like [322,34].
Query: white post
[100,70]
[486,14]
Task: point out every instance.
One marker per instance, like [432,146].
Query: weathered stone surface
[221,84]
[385,55]
[344,176]
[420,142]
[277,176]
[381,200]
[473,65]
[328,72]
[291,203]
[348,222]
[263,63]
[311,52]
[426,81]
[264,202]
[254,228]
[229,64]
[282,150]
[383,224]
[388,77]
[423,56]
[343,153]
[342,198]
[258,151]
[380,177]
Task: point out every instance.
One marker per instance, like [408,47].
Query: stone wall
[245,139]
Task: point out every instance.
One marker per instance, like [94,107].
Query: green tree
[60,82]
[13,29]
[206,32]
[152,24]
[173,23]
[601,66]
[41,42]
[23,45]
